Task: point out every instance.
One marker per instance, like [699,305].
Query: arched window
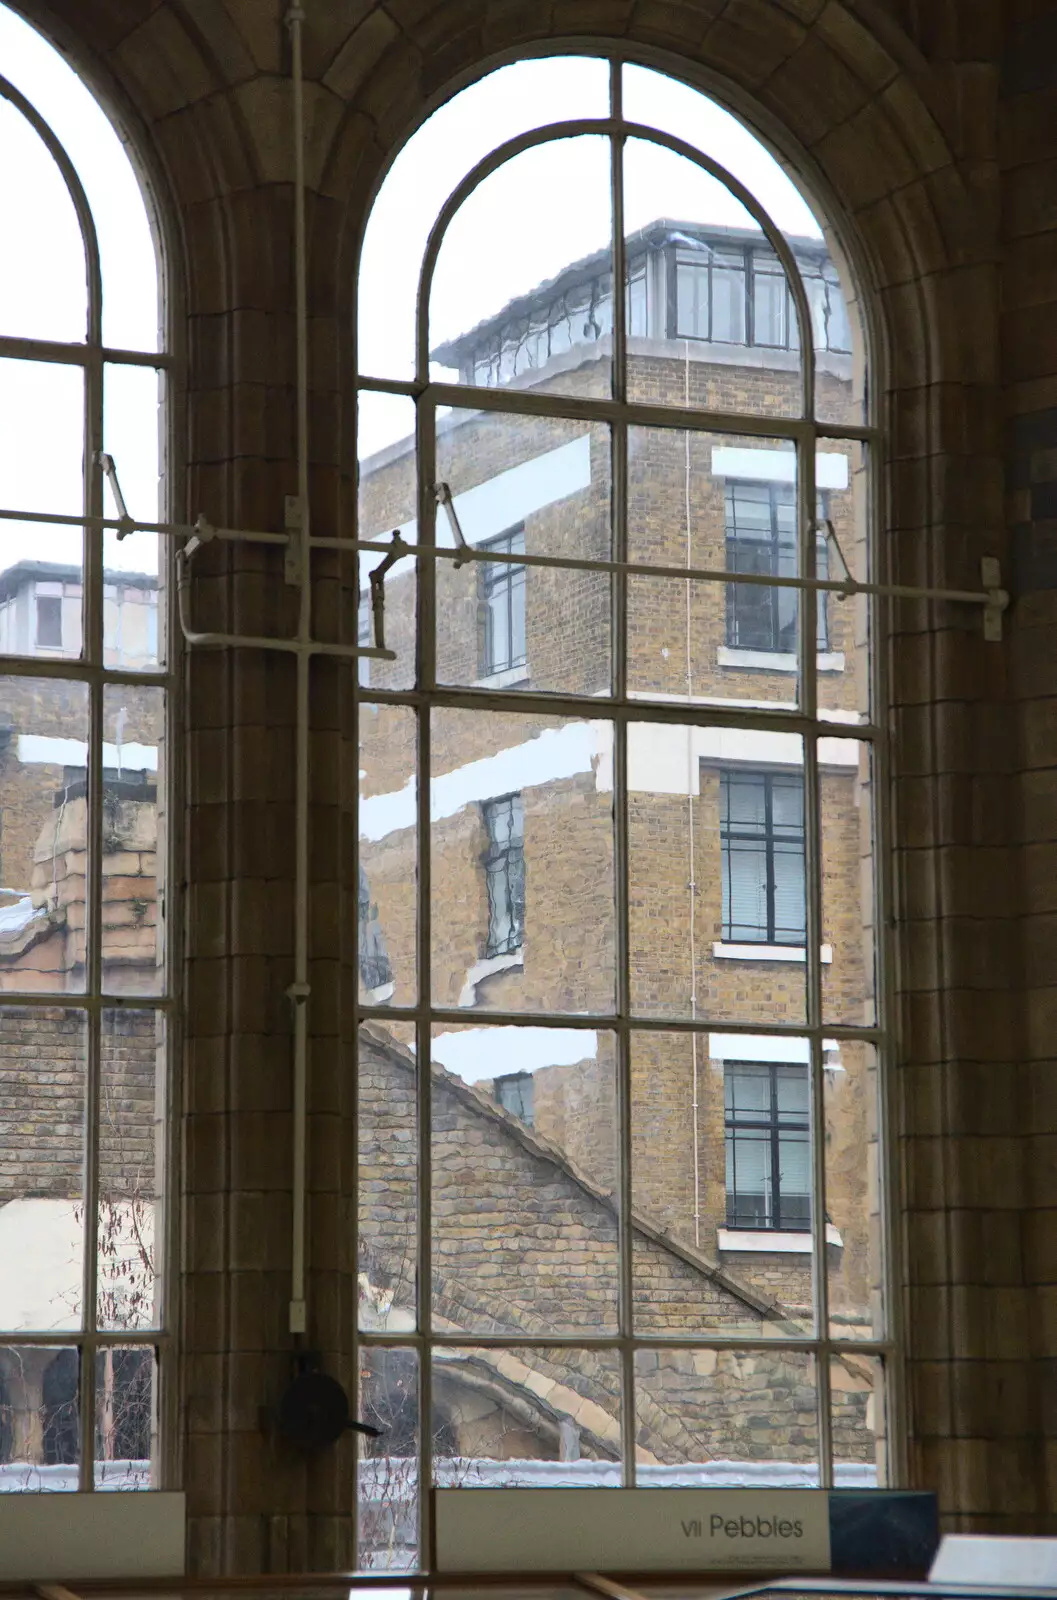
[620,1124]
[84,681]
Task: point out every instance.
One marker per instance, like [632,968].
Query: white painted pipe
[300,990]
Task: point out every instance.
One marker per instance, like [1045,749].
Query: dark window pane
[504,862]
[49,622]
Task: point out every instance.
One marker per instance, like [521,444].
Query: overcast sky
[42,295]
[547,207]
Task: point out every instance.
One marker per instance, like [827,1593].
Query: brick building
[522,837]
[522,840]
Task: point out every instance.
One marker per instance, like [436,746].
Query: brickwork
[526,1244]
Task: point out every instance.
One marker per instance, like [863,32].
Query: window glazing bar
[844,587]
[699,714]
[80,355]
[577,408]
[749,1343]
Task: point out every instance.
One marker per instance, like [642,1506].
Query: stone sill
[776,660]
[772,1241]
[487,968]
[726,951]
[511,678]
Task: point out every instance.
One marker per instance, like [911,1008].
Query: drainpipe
[694,1041]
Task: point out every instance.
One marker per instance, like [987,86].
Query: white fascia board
[777,466]
[54,752]
[503,501]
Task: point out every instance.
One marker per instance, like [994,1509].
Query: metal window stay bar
[993,597]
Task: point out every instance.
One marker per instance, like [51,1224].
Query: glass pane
[388,1466]
[530,1418]
[41,469]
[125,1419]
[844,625]
[523,289]
[840,346]
[673,107]
[40,1435]
[387,500]
[133,840]
[721,1173]
[716,873]
[535,484]
[853,1191]
[719,327]
[848,908]
[388,875]
[43,1065]
[726,1418]
[131,1152]
[43,834]
[526,924]
[388,1177]
[524,1209]
[101,157]
[511,101]
[132,635]
[715,502]
[860,1423]
[43,281]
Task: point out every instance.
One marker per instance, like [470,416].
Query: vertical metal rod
[300,990]
[425,678]
[93,634]
[807,608]
[882,834]
[619,491]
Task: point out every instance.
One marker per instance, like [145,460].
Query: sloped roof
[482,1105]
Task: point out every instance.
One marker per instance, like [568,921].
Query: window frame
[804,433]
[776,1124]
[503,578]
[734,546]
[769,836]
[88,666]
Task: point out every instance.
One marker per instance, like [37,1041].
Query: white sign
[55,1536]
[629,1530]
[1009,1563]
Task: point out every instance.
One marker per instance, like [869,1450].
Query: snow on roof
[15,919]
